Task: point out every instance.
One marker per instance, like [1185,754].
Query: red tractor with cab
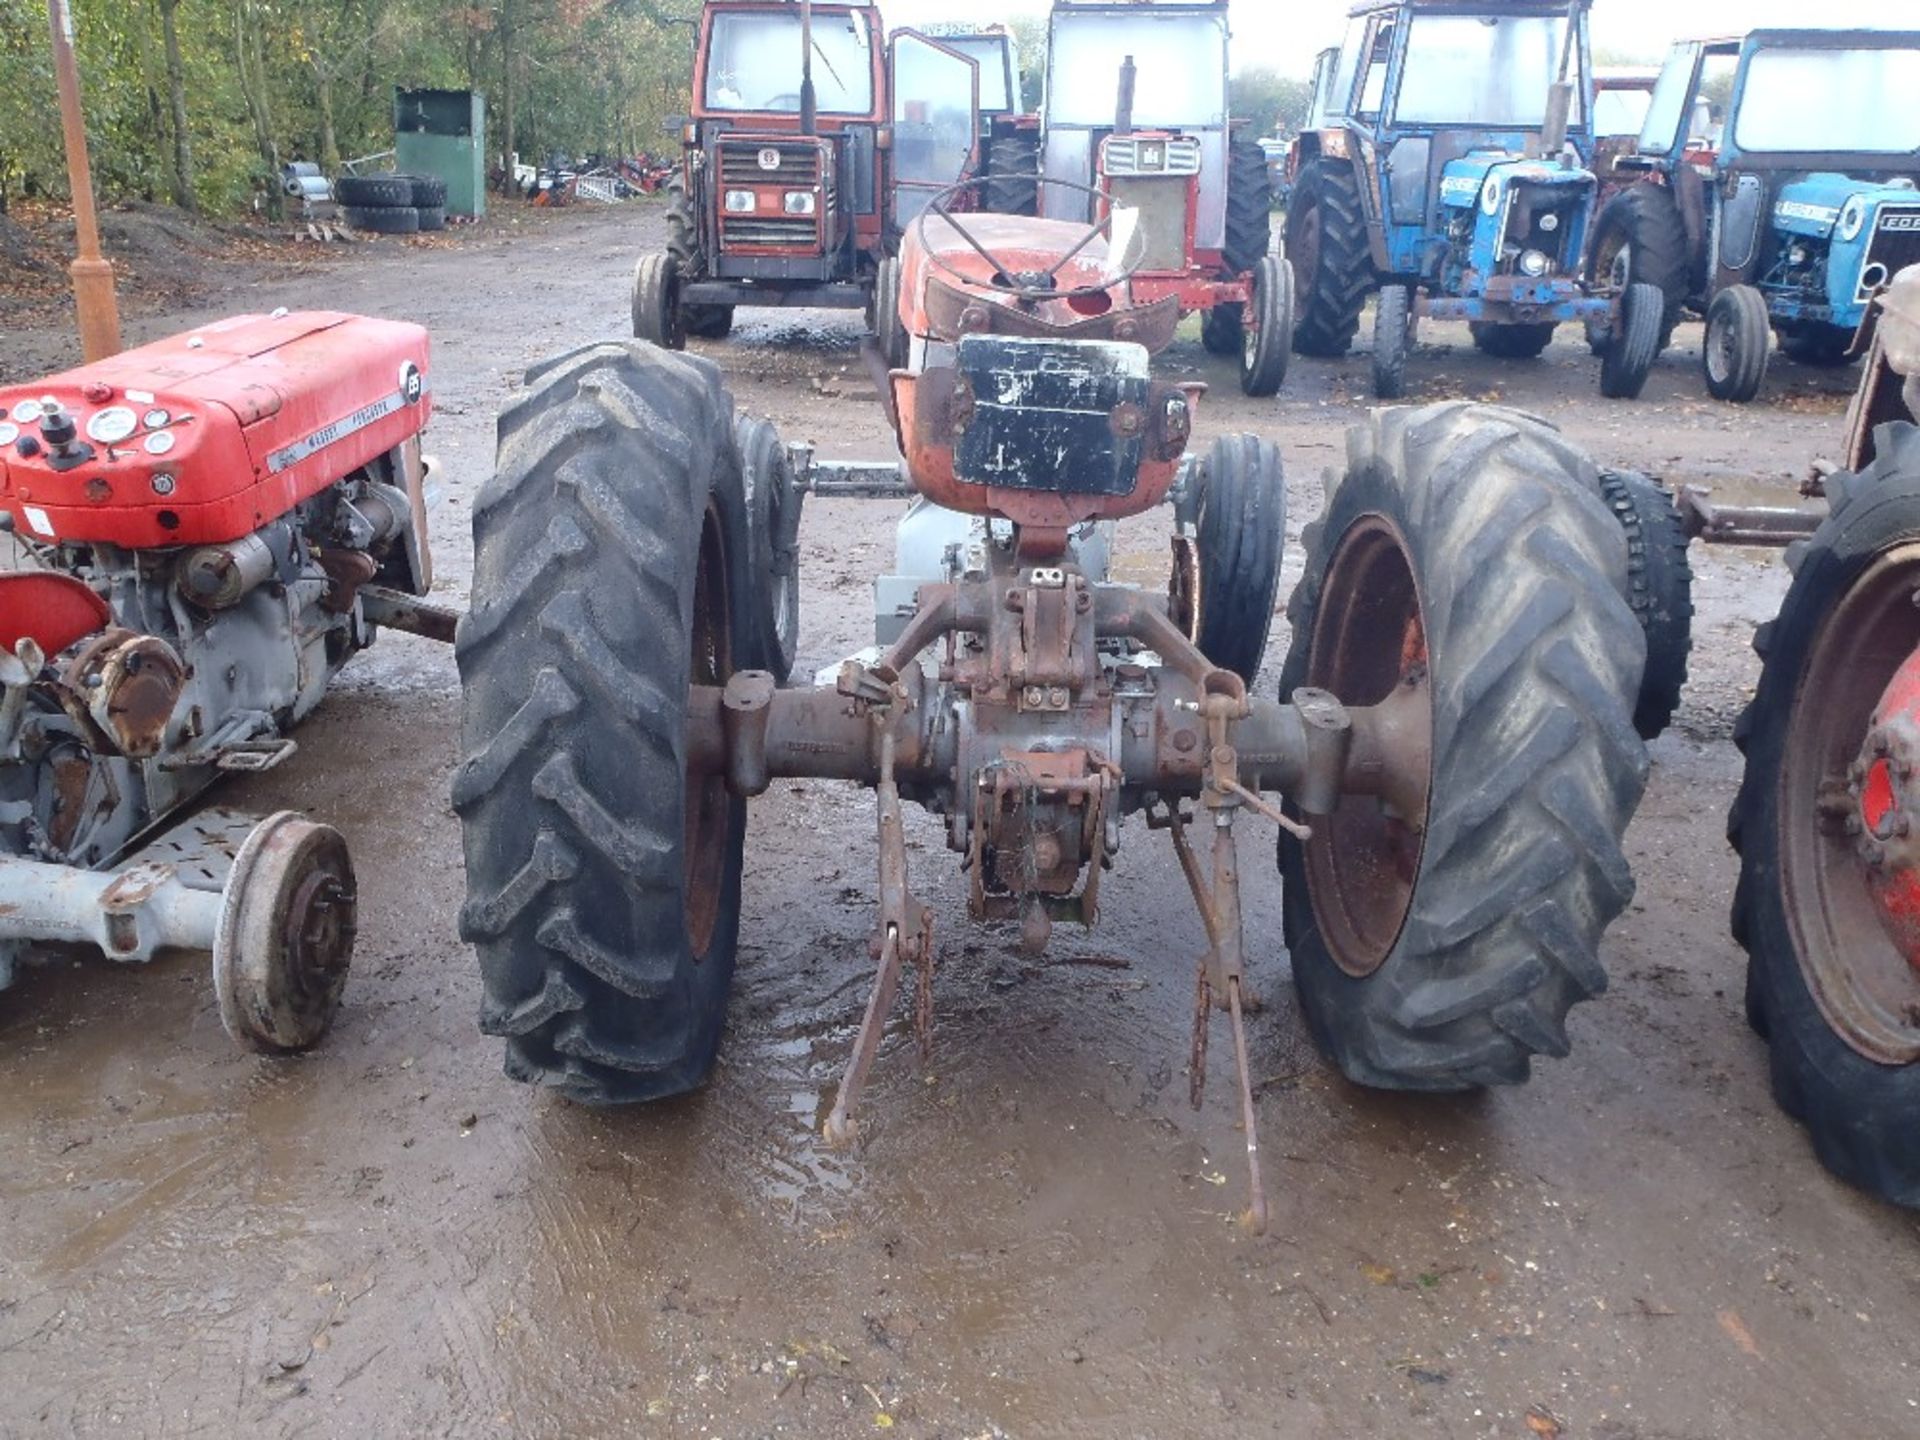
[1137,111]
[203,531]
[814,140]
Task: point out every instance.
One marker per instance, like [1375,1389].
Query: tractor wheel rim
[1719,348]
[1369,647]
[708,805]
[1833,892]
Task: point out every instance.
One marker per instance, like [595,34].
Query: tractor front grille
[797,163]
[798,232]
[1895,245]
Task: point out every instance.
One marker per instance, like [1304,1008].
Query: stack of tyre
[390,204]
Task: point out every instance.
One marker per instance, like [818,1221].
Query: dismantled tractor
[1450,763]
[1441,167]
[209,528]
[814,140]
[1828,906]
[1137,116]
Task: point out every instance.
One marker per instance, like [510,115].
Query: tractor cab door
[936,122]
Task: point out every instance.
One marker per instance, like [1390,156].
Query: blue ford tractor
[1778,193]
[1444,165]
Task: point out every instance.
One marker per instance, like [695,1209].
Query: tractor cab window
[999,79]
[1481,70]
[754,64]
[1351,49]
[1373,90]
[1323,69]
[1180,60]
[1817,100]
[1620,111]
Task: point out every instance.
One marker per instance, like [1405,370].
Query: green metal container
[444,133]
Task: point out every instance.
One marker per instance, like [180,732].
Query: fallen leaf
[1378,1274]
[1541,1422]
[1737,1331]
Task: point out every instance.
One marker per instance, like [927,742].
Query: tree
[183,194]
[1271,103]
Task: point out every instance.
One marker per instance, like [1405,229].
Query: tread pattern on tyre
[1242,537]
[432,217]
[1659,590]
[1391,341]
[372,192]
[1630,354]
[1013,165]
[767,472]
[428,191]
[1863,1118]
[1328,304]
[1249,207]
[1537,769]
[571,792]
[1648,216]
[384,219]
[707,322]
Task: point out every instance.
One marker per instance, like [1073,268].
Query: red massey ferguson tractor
[813,141]
[1450,758]
[203,531]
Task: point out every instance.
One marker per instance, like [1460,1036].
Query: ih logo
[770,159]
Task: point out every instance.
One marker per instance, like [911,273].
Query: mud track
[389,1238]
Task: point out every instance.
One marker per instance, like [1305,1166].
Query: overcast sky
[1286,34]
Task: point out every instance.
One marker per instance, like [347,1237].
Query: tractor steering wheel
[1029,287]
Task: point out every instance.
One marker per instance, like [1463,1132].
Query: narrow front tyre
[1738,341]
[1392,339]
[1267,345]
[1634,343]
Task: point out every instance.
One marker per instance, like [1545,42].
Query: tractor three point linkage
[1450,760]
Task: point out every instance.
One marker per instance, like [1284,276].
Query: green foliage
[314,80]
[1271,103]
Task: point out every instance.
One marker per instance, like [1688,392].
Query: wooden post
[92,274]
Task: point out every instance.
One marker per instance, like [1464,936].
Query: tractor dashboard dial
[112,425]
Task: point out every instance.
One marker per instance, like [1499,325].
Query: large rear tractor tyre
[1633,345]
[1659,590]
[603,880]
[1512,342]
[1738,343]
[657,315]
[773,529]
[1836,999]
[1267,347]
[1241,535]
[1013,174]
[1249,207]
[1223,331]
[1332,265]
[705,322]
[1392,340]
[1466,572]
[1639,237]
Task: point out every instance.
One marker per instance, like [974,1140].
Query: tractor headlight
[1534,264]
[1853,219]
[799,202]
[1490,196]
[741,202]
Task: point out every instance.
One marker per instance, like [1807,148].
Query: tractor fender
[51,609]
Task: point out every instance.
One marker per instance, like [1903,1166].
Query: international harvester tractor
[814,140]
[204,531]
[1137,114]
[1450,759]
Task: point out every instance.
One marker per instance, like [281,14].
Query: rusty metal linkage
[1768,526]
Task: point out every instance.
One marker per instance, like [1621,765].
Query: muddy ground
[387,1237]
